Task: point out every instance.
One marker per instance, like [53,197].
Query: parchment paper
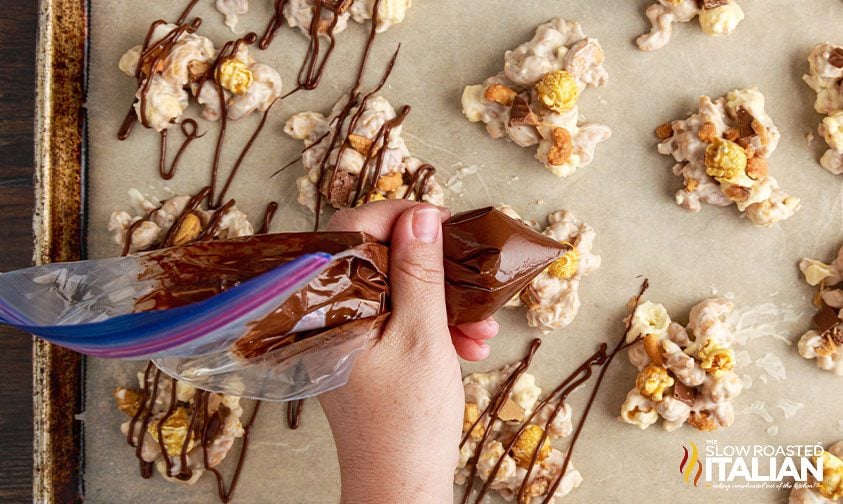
[626,195]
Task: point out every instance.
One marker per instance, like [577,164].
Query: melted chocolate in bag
[489,258]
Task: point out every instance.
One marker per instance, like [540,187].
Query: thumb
[417,278]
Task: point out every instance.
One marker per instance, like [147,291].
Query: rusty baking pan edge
[58,228]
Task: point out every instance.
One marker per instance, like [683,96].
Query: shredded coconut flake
[788,407]
[765,320]
[455,184]
[758,408]
[772,366]
[773,430]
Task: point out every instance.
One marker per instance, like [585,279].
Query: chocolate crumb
[836,57]
[520,114]
[745,120]
[684,393]
[342,189]
[826,319]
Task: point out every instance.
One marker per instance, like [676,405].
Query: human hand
[398,421]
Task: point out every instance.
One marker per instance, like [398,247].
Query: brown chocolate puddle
[581,375]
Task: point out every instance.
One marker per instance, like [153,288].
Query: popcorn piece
[552,298]
[527,444]
[232,10]
[831,486]
[719,17]
[685,374]
[234,75]
[128,400]
[534,100]
[173,431]
[652,382]
[722,153]
[299,13]
[566,266]
[472,415]
[824,341]
[825,77]
[361,151]
[558,91]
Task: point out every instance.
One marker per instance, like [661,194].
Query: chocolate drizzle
[294,409]
[313,66]
[581,375]
[268,215]
[189,136]
[203,427]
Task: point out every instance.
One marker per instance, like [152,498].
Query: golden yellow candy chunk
[174,431]
[653,381]
[526,444]
[725,160]
[470,416]
[558,91]
[234,75]
[375,196]
[566,266]
[831,487]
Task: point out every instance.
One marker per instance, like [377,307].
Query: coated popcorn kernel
[558,91]
[234,75]
[725,160]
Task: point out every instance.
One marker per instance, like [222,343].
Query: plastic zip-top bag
[274,317]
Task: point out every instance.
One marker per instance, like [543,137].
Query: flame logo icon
[691,461]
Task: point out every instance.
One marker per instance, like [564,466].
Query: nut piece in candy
[831,487]
[702,421]
[737,193]
[188,230]
[732,134]
[725,160]
[470,415]
[498,93]
[128,400]
[197,69]
[562,148]
[653,381]
[526,444]
[174,431]
[651,347]
[716,359]
[558,91]
[566,266]
[664,131]
[360,143]
[234,75]
[708,132]
[756,168]
[390,182]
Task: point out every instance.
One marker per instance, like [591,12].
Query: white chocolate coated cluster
[534,100]
[721,153]
[826,78]
[685,374]
[177,78]
[150,234]
[168,96]
[480,388]
[174,430]
[397,170]
[552,298]
[830,489]
[716,17]
[826,346]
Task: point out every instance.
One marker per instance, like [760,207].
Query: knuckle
[346,219]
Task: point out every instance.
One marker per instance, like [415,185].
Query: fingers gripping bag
[273,317]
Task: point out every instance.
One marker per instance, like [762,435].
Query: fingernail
[426,225]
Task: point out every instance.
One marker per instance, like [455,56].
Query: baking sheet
[626,194]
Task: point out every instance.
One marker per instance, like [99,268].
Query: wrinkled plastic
[274,317]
